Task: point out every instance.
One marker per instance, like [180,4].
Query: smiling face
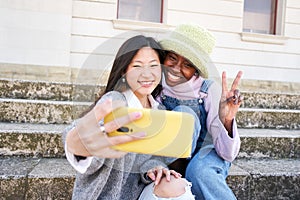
[144,72]
[177,69]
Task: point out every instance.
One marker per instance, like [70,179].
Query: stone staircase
[33,166]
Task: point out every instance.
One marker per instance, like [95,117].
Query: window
[140,10]
[263,16]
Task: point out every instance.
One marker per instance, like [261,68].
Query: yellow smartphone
[168,133]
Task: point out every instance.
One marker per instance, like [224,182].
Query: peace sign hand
[230,101]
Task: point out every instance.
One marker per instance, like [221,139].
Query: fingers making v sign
[230,100]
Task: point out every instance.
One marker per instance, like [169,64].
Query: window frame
[278,37]
[162,2]
[255,21]
[125,24]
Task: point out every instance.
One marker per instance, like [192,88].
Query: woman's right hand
[159,172]
[87,138]
[168,183]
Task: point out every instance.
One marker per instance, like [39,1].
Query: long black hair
[122,60]
[124,57]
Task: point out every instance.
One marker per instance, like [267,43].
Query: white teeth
[171,76]
[146,82]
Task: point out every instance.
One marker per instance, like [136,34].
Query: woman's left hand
[230,101]
[157,173]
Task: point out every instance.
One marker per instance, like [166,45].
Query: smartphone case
[169,133]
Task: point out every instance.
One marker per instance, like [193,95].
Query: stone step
[59,91]
[40,111]
[265,178]
[269,143]
[29,178]
[33,178]
[268,118]
[56,91]
[271,100]
[40,140]
[31,140]
[59,112]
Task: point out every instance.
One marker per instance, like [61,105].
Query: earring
[123,80]
[196,73]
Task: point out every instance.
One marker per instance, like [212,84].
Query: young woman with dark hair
[105,173]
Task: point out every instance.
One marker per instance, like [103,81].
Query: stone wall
[97,77]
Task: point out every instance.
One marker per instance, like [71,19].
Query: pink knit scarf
[184,91]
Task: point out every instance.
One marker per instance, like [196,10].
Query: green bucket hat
[193,42]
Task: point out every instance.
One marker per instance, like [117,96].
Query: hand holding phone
[169,133]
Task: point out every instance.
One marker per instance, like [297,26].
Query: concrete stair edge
[40,111]
[36,140]
[30,178]
[267,166]
[47,111]
[86,92]
[45,90]
[268,118]
[53,112]
[265,178]
[34,89]
[44,140]
[38,178]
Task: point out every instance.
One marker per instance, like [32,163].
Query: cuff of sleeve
[80,165]
[220,127]
[228,147]
[222,130]
[145,179]
[234,129]
[149,165]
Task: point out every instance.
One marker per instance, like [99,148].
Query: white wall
[35,32]
[73,32]
[258,60]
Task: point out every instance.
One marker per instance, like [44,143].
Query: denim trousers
[207,172]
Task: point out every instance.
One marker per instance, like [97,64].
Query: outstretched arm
[87,138]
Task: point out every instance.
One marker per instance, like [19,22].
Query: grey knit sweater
[114,179]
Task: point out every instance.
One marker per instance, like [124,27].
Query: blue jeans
[208,172]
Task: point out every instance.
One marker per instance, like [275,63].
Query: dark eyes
[136,66]
[187,65]
[171,57]
[174,60]
[153,65]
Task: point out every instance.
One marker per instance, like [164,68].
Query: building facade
[66,40]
